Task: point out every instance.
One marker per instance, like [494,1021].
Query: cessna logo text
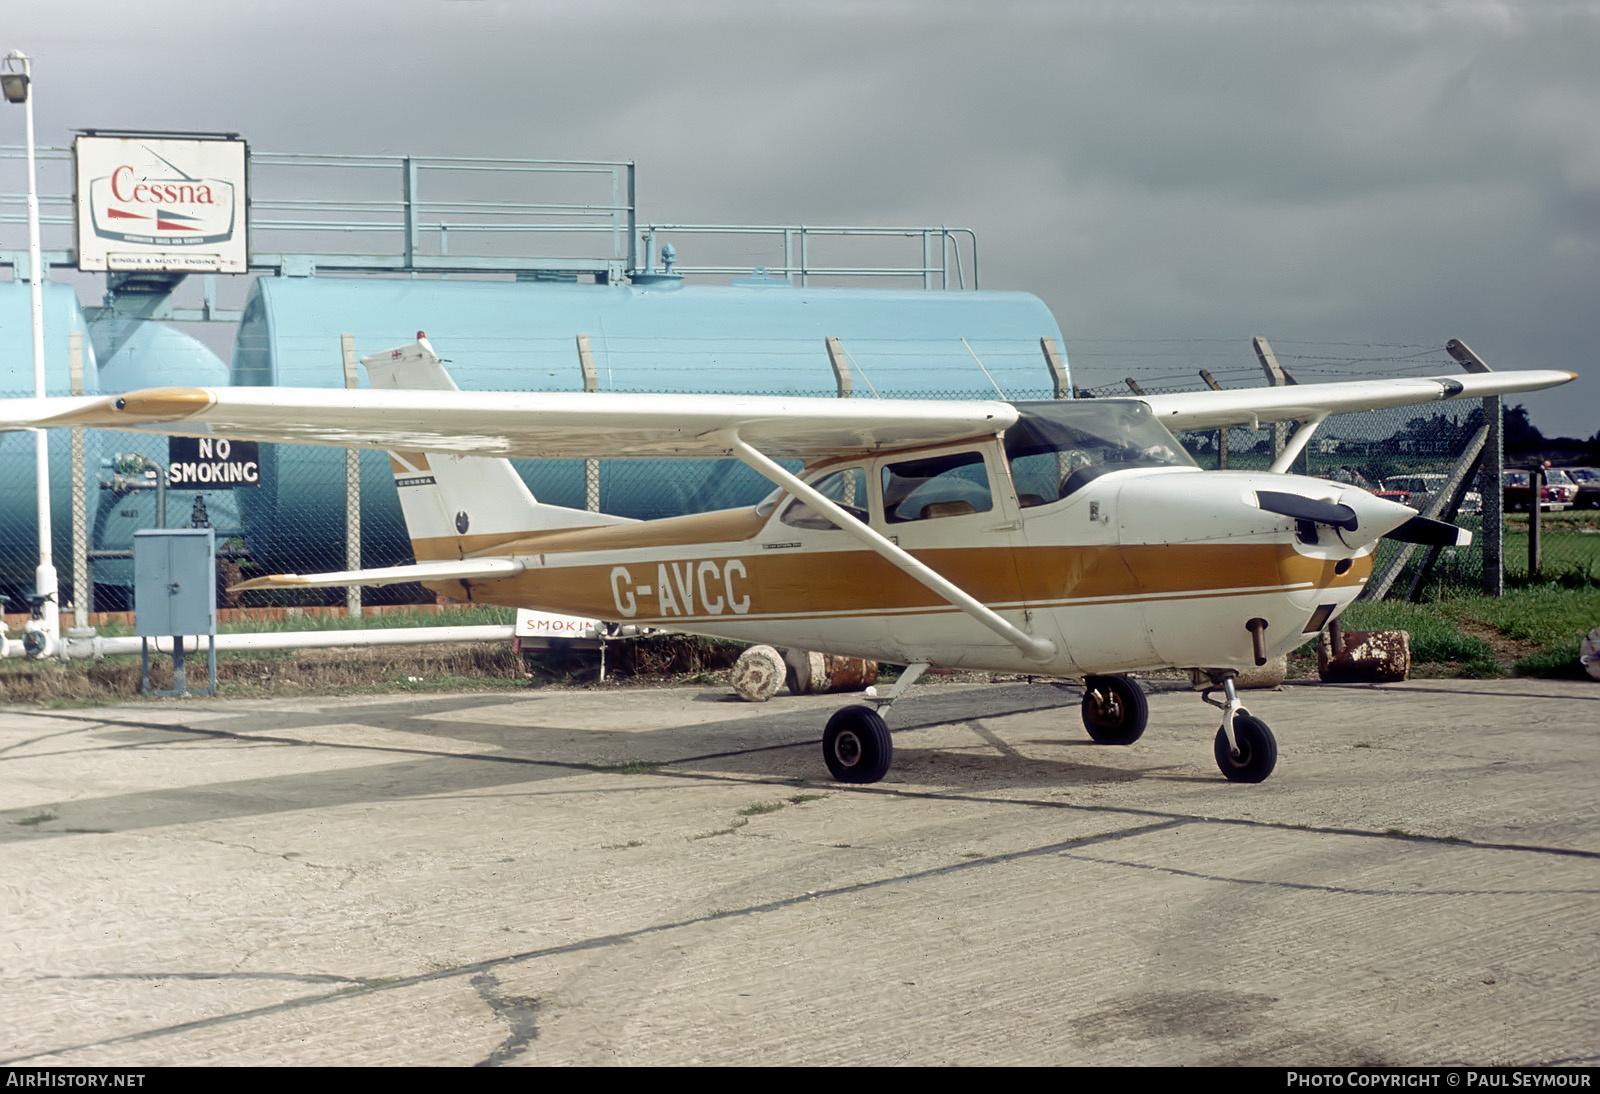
[151,203]
[683,588]
[212,463]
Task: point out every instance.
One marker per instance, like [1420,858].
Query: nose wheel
[1252,754]
[1245,748]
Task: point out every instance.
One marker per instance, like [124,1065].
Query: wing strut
[1033,647]
[1296,444]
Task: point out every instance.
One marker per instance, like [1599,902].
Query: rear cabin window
[939,486]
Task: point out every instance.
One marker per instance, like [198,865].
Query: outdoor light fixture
[15,84]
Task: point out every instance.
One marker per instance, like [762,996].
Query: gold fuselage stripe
[796,584]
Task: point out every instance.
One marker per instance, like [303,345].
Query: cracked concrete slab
[667,878]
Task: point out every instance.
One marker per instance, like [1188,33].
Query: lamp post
[43,635]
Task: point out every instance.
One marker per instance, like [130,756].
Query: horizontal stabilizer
[464,570]
[1430,533]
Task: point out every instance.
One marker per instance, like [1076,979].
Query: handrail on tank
[797,259]
[281,207]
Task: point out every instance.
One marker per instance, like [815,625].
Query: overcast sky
[1170,178]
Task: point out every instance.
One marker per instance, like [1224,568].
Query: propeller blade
[1430,533]
[1300,507]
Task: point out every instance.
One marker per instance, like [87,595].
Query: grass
[631,767]
[728,831]
[1552,618]
[1541,627]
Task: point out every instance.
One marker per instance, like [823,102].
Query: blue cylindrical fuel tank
[19,518]
[117,355]
[137,354]
[660,336]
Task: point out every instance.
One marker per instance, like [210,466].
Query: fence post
[1060,374]
[80,499]
[841,366]
[1222,434]
[1535,547]
[1491,476]
[591,467]
[1277,377]
[1490,485]
[352,488]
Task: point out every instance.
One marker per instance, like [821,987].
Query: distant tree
[1521,435]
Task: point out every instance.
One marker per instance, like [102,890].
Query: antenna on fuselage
[985,371]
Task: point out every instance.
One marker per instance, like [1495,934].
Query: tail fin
[457,505]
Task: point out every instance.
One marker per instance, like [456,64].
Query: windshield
[1057,447]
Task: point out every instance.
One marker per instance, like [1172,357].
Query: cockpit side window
[847,488]
[939,486]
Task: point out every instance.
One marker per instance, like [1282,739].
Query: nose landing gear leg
[1245,749]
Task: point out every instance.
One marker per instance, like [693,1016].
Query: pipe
[98,646]
[1257,642]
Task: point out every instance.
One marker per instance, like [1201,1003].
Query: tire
[1121,715]
[1258,751]
[856,746]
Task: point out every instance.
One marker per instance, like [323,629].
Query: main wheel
[856,746]
[1114,710]
[1257,755]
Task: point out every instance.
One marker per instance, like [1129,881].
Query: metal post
[352,488]
[633,223]
[45,580]
[80,501]
[616,214]
[412,229]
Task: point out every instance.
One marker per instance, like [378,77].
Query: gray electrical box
[174,581]
[175,596]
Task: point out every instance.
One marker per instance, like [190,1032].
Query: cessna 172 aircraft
[1074,539]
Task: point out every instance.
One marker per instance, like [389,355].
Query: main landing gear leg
[856,746]
[1245,749]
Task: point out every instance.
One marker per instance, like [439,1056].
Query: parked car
[1556,493]
[1418,491]
[1587,480]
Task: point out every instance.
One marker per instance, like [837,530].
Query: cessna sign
[161,203]
[213,463]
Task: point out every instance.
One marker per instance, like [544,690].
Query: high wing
[1187,410]
[606,424]
[524,424]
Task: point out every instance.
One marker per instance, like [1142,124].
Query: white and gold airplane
[1074,539]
